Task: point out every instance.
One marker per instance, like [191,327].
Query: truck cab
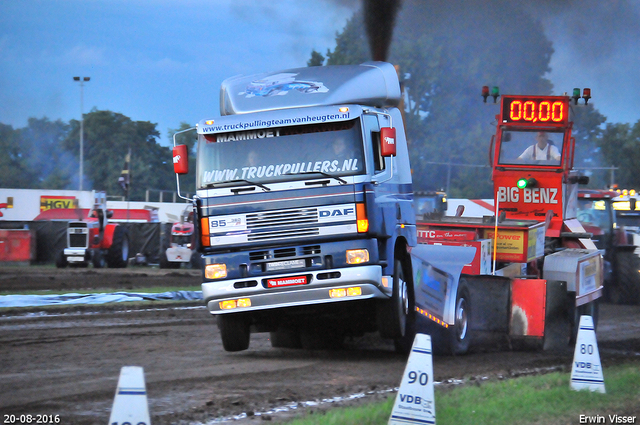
[304,205]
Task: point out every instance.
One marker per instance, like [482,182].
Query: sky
[163,60]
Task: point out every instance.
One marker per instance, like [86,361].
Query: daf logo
[337,212]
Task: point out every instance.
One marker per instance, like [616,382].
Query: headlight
[357,256]
[215,271]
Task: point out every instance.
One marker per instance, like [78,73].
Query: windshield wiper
[230,182]
[342,181]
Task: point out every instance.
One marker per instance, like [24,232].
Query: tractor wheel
[164,261]
[625,288]
[118,254]
[98,259]
[456,339]
[61,260]
[234,331]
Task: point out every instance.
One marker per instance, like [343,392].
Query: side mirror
[180,159]
[387,141]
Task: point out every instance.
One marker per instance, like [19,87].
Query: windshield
[280,154]
[531,147]
[594,213]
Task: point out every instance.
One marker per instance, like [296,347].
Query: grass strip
[543,399]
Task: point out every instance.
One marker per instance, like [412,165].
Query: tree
[14,170]
[52,165]
[620,146]
[108,138]
[587,130]
[448,51]
[316,59]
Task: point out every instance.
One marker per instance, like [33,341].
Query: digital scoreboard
[540,110]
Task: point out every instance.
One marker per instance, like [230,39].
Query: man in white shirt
[542,150]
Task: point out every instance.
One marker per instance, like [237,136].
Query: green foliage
[45,155]
[446,52]
[620,146]
[587,130]
[14,171]
[33,156]
[316,59]
[107,138]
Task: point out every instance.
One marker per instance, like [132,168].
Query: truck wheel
[625,288]
[394,315]
[285,337]
[118,254]
[61,260]
[234,331]
[98,259]
[455,339]
[321,339]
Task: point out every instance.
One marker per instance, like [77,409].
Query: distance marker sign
[586,371]
[415,403]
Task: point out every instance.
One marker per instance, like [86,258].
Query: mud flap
[490,296]
[557,327]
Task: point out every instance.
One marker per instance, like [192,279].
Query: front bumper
[368,278]
[179,254]
[76,255]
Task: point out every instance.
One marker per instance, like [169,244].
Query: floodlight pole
[81,173]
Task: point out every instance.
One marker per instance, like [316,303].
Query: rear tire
[625,288]
[118,254]
[234,332]
[321,339]
[456,339]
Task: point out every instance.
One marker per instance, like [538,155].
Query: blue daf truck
[305,215]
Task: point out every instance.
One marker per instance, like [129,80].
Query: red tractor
[182,245]
[621,264]
[95,240]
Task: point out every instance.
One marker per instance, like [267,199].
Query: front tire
[61,260]
[234,332]
[395,317]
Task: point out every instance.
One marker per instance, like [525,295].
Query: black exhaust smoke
[379,19]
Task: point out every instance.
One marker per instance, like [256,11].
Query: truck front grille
[78,237]
[284,218]
[283,234]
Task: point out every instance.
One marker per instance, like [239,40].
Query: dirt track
[68,363]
